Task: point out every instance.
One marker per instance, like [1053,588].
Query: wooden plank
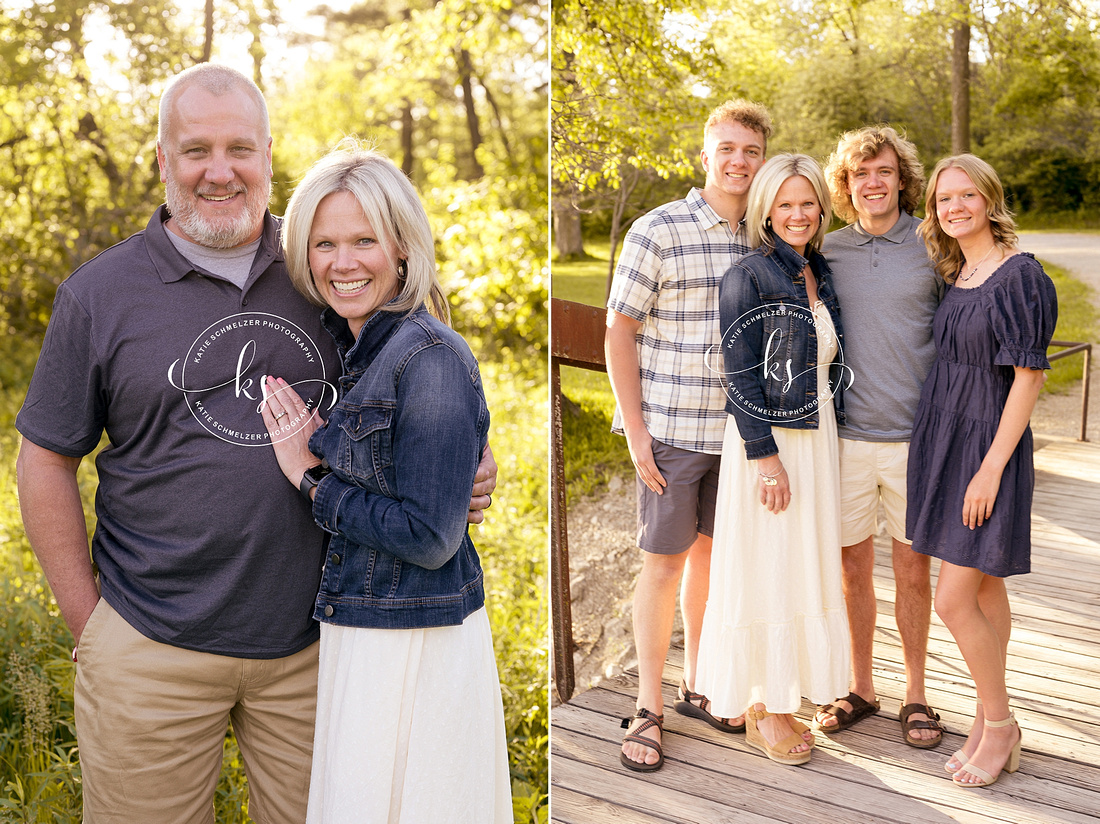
[873,768]
[570,807]
[867,773]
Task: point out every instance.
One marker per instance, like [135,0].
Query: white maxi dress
[775,627]
[410,727]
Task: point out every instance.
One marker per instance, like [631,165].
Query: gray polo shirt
[201,541]
[888,295]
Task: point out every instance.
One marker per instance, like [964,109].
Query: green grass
[1077,221]
[1077,321]
[584,281]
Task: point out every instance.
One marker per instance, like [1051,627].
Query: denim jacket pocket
[366,445]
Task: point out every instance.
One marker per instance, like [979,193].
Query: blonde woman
[409,715]
[775,626]
[970,474]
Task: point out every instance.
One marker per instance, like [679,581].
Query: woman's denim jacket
[403,442]
[769,344]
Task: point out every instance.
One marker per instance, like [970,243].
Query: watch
[311,478]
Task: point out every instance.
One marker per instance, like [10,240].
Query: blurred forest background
[1014,81]
[454,91]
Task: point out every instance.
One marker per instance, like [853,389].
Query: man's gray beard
[219,234]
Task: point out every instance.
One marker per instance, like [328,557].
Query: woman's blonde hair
[391,206]
[765,188]
[944,250]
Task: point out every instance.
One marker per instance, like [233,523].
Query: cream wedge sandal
[779,752]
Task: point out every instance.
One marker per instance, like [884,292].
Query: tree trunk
[258,52]
[501,130]
[629,181]
[208,28]
[408,158]
[472,123]
[568,239]
[960,81]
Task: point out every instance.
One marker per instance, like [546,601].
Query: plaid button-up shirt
[667,278]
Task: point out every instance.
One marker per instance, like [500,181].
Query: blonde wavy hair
[392,208]
[753,116]
[765,188]
[863,144]
[944,250]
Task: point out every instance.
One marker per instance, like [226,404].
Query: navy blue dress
[980,334]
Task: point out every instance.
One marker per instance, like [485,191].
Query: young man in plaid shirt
[662,318]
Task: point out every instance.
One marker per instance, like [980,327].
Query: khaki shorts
[871,472]
[668,524]
[151,721]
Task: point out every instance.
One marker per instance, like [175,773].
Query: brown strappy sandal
[651,720]
[684,706]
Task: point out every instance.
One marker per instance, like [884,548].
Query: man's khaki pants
[151,722]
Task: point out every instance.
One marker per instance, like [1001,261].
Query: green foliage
[823,67]
[627,105]
[494,260]
[1038,121]
[513,544]
[623,89]
[77,167]
[39,772]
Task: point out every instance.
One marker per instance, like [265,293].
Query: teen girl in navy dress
[971,476]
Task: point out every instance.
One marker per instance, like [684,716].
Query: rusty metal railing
[576,339]
[1073,348]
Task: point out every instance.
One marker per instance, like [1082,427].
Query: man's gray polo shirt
[888,295]
[201,541]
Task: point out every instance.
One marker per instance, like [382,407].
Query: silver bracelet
[770,480]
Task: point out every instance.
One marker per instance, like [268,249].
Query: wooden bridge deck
[867,774]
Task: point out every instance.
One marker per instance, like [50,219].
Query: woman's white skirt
[410,727]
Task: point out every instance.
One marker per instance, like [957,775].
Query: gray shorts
[668,524]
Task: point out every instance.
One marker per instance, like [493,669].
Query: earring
[403,270]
